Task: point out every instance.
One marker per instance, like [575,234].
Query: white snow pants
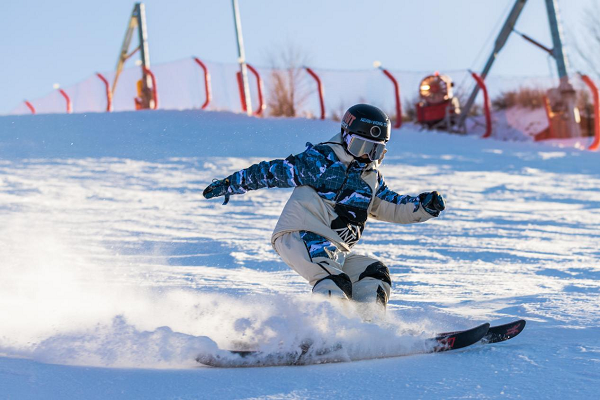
[344,275]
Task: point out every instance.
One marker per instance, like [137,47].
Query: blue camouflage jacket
[334,193]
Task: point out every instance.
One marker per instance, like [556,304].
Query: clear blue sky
[47,42]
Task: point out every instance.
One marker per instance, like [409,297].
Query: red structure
[154,90]
[319,89]
[30,106]
[207,88]
[259,84]
[109,106]
[486,105]
[398,122]
[68,99]
[596,144]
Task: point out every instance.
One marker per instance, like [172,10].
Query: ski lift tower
[563,98]
[146,87]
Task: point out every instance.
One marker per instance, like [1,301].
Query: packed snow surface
[115,272]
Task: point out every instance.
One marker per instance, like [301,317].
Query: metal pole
[241,55]
[147,97]
[566,89]
[506,30]
[556,32]
[131,25]
[143,35]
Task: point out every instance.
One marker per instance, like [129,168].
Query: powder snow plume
[60,307]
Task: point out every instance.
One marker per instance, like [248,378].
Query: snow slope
[114,271]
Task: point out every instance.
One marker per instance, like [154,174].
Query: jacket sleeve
[302,169]
[390,206]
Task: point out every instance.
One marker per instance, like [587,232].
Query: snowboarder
[337,187]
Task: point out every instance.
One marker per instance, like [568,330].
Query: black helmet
[367,121]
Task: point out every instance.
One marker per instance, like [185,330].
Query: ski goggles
[359,146]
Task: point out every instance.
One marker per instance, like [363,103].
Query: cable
[493,32]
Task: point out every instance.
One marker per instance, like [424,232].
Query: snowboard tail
[460,339]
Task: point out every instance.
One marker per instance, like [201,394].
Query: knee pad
[374,285]
[377,270]
[339,286]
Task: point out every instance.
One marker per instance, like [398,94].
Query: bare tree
[587,41]
[288,87]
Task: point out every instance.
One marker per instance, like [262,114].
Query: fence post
[486,105]
[68,99]
[596,143]
[207,88]
[240,82]
[319,90]
[259,83]
[30,106]
[109,107]
[154,90]
[398,122]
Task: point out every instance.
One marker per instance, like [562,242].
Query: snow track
[109,257]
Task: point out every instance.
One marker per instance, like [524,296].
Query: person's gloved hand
[432,202]
[216,189]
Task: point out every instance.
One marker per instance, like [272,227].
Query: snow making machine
[437,108]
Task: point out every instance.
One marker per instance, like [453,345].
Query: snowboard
[307,354]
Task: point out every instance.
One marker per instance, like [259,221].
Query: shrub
[525,97]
